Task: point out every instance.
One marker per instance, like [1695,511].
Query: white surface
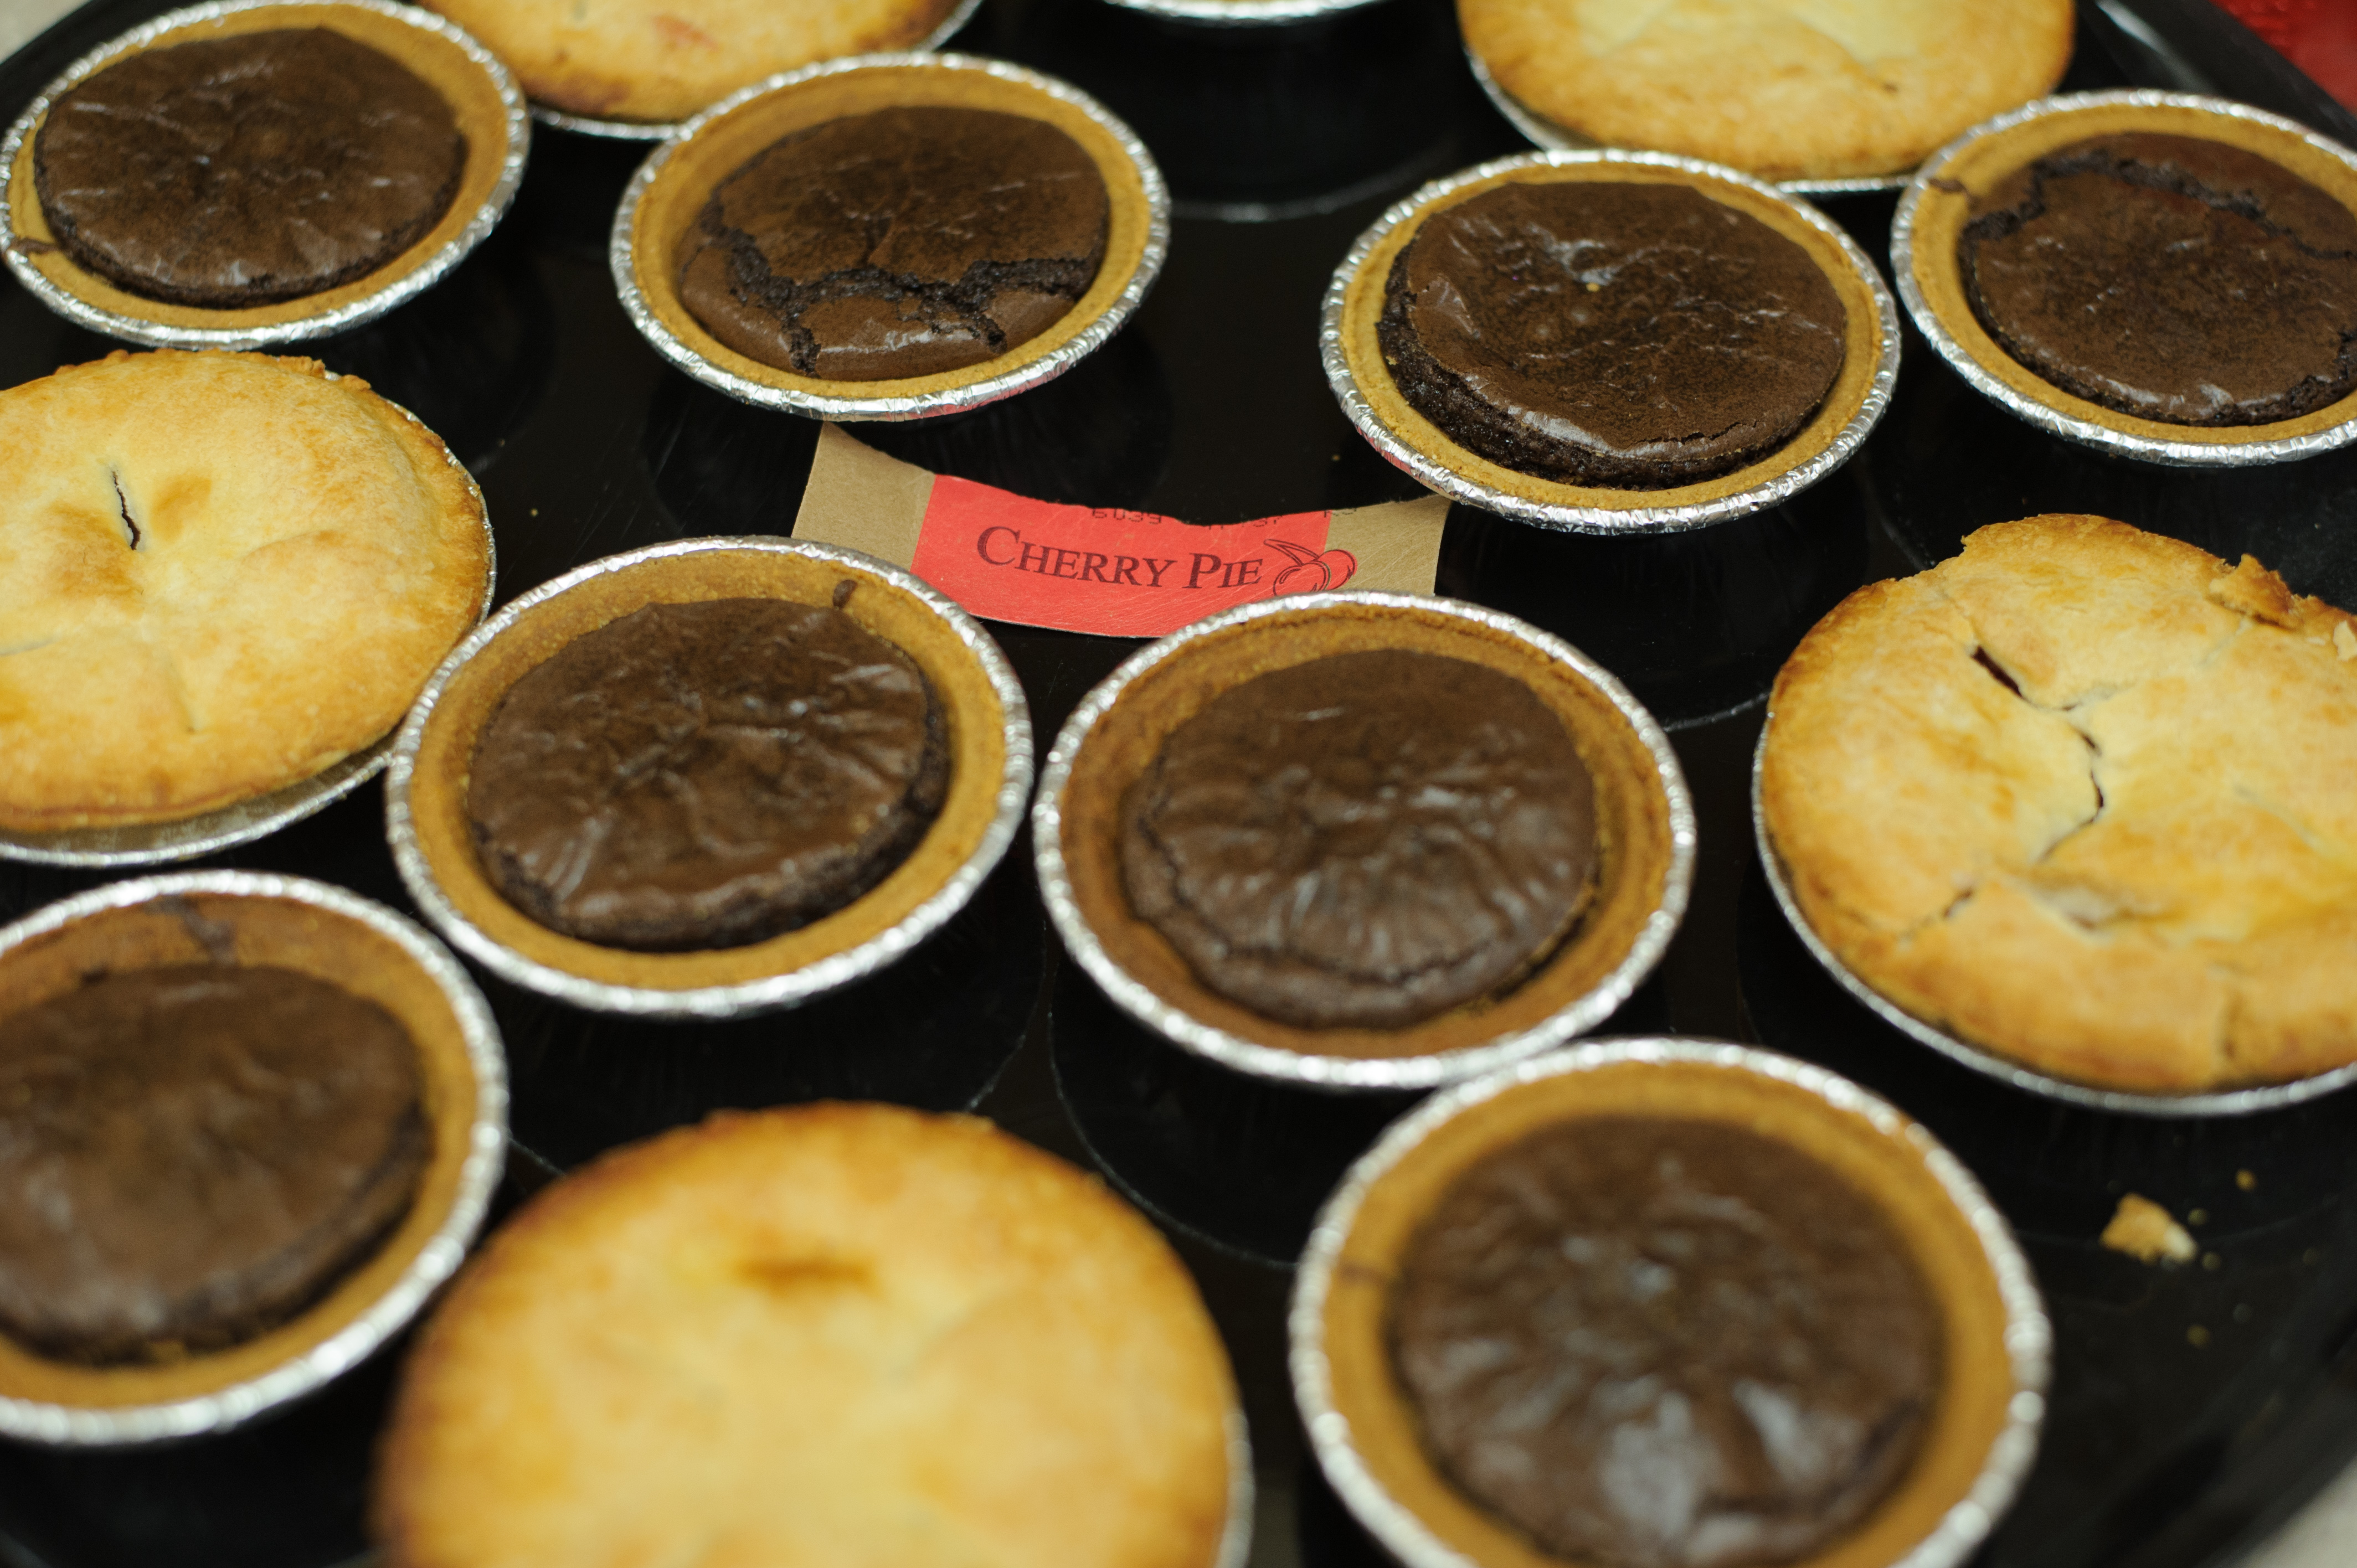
[2323,1536]
[21,19]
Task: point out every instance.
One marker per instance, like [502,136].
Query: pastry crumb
[2258,593]
[2143,1231]
[2244,1179]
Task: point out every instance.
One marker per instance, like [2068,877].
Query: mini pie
[2082,796]
[214,1246]
[1582,352]
[834,1335]
[196,1153]
[688,820]
[662,61]
[1024,275]
[1480,967]
[1744,1417]
[228,172]
[372,200]
[218,575]
[1368,839]
[1781,88]
[901,243]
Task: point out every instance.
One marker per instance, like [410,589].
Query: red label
[1116,574]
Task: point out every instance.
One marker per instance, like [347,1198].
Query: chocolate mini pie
[1364,840]
[265,174]
[2163,277]
[1803,1313]
[709,778]
[1610,341]
[273,1111]
[1020,224]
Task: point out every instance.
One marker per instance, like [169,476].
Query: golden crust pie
[831,1335]
[2083,795]
[218,575]
[662,61]
[1782,88]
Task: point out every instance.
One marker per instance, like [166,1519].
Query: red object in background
[2317,36]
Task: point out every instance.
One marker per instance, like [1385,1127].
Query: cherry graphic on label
[1310,571]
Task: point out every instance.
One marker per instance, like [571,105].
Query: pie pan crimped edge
[1137,236]
[242,821]
[1649,939]
[1930,280]
[728,982]
[1242,13]
[2221,1102]
[662,130]
[359,1315]
[1360,383]
[1545,132]
[2004,1297]
[99,306]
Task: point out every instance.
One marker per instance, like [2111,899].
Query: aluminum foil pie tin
[1989,1063]
[1545,132]
[1242,13]
[677,179]
[1924,235]
[1643,916]
[433,849]
[2003,1325]
[242,821]
[1361,382]
[463,1088]
[662,130]
[484,96]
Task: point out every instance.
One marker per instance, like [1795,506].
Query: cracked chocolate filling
[1649,1343]
[1626,335]
[706,775]
[904,243]
[246,170]
[1363,840]
[191,1156]
[2175,279]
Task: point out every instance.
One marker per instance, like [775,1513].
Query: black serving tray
[2192,1410]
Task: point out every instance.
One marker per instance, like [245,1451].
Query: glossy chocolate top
[903,242]
[1644,1343]
[1365,839]
[1600,333]
[706,775]
[2172,278]
[245,170]
[189,1156]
